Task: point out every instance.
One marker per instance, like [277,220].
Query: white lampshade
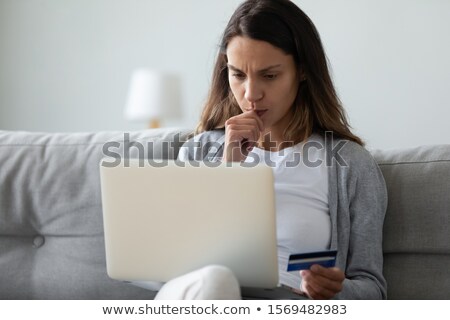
[153,96]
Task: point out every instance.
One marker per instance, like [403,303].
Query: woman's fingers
[248,117]
[242,133]
[316,292]
[334,273]
[237,133]
[232,123]
[322,283]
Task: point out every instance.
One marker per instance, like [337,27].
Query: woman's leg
[209,283]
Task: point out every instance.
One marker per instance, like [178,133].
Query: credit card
[304,261]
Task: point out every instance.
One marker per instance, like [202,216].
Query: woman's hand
[242,133]
[322,283]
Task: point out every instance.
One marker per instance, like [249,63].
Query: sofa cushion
[51,229]
[416,237]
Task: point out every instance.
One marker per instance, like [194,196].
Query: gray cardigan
[357,202]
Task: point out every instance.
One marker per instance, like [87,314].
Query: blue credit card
[304,261]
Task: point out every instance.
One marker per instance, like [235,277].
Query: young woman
[272,97]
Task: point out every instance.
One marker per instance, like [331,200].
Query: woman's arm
[367,197]
[207,146]
[360,215]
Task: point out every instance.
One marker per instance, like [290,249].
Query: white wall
[65,65]
[391,66]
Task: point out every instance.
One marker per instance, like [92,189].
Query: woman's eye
[239,76]
[270,76]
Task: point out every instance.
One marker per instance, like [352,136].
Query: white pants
[209,283]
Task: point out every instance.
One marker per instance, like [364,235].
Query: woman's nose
[253,92]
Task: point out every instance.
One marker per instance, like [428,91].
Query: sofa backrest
[416,239]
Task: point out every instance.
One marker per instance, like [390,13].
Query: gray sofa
[51,232]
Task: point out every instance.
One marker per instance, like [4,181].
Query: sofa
[51,231]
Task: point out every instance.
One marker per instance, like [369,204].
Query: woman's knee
[219,282]
[213,282]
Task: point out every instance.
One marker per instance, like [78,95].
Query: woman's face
[262,78]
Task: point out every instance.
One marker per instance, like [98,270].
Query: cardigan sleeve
[207,146]
[367,204]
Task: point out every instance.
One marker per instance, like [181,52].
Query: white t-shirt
[301,198]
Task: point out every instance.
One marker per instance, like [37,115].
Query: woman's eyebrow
[260,71]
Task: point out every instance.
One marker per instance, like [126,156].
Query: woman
[271,97]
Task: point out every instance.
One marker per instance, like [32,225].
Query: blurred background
[70,65]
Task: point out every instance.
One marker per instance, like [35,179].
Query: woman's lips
[260,112]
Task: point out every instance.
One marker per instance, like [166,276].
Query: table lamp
[153,96]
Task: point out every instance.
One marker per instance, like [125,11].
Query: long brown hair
[281,23]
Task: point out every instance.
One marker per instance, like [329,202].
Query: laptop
[163,220]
